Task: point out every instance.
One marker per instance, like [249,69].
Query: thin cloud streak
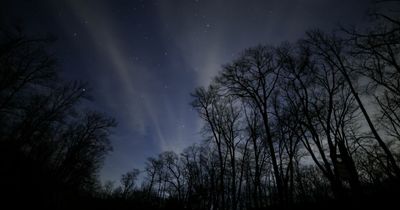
[131,76]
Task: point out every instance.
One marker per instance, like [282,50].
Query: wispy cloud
[131,77]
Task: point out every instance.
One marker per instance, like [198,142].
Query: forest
[309,124]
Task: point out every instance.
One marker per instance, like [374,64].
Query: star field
[143,58]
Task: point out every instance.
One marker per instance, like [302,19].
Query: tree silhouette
[289,127]
[128,181]
[311,124]
[51,149]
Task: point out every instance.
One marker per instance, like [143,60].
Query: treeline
[311,123]
[51,146]
[314,123]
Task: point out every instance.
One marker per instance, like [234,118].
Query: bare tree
[207,104]
[128,181]
[253,77]
[333,51]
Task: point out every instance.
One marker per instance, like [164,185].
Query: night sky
[142,59]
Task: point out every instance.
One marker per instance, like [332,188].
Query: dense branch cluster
[51,147]
[299,123]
